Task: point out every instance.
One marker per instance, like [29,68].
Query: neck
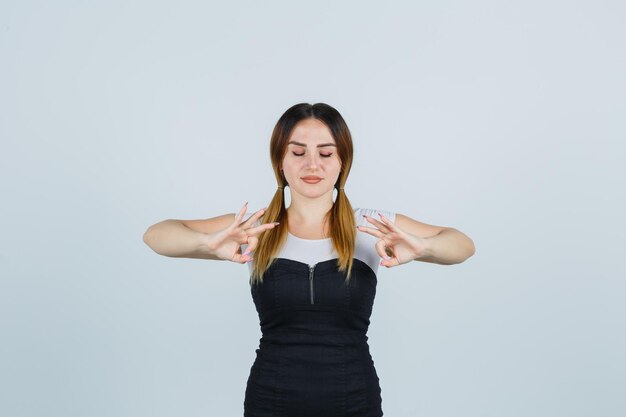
[307,211]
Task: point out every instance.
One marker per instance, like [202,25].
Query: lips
[311,179]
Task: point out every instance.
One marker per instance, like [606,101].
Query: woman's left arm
[406,240]
[448,247]
[443,245]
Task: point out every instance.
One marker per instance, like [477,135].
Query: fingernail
[386,258]
[276,222]
[246,252]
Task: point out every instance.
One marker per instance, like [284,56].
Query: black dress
[313,358]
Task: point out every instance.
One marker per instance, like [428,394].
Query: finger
[389,263]
[241,259]
[252,219]
[389,260]
[378,223]
[255,231]
[372,231]
[252,244]
[241,213]
[381,247]
[390,225]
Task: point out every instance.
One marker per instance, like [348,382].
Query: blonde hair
[341,215]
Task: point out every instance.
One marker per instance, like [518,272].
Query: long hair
[341,215]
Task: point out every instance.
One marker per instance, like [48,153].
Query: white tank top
[312,251]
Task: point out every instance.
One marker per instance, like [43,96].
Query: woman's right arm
[185,238]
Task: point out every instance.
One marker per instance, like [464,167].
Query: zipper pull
[311,280]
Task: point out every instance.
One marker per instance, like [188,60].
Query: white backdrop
[503,120]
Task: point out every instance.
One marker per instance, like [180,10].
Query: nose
[313,160]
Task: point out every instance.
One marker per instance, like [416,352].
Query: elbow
[468,247]
[147,235]
[149,241]
[471,249]
[472,246]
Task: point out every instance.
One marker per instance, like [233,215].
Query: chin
[314,193]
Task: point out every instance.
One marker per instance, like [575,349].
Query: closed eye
[325,156]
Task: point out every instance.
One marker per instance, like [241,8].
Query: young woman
[313,269]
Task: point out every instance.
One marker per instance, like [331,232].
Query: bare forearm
[448,247]
[172,238]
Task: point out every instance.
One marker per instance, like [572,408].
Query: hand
[395,246]
[226,244]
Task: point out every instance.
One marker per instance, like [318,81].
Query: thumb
[239,258]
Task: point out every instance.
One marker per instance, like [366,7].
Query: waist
[298,337]
[314,320]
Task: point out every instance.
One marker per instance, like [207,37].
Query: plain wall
[503,120]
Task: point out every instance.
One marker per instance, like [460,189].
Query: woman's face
[311,151]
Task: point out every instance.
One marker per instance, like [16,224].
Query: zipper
[311,280]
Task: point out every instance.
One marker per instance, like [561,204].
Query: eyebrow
[304,144]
